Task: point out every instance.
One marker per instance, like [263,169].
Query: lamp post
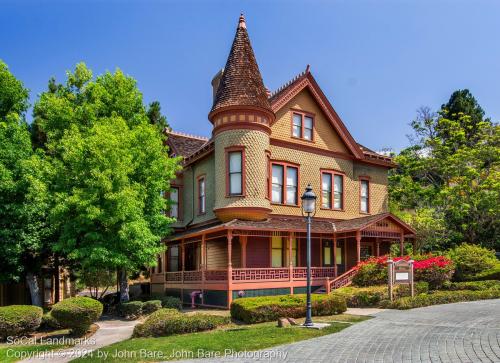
[308,210]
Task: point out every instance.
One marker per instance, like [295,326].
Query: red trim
[238,125]
[285,165]
[227,151]
[199,179]
[332,173]
[302,115]
[242,110]
[367,179]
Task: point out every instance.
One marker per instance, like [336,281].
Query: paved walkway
[462,332]
[110,331]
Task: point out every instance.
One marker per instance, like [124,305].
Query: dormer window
[302,126]
[235,171]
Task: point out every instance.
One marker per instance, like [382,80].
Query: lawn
[233,337]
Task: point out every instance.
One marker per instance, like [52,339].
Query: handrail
[345,279]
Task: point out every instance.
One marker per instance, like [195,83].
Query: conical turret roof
[241,83]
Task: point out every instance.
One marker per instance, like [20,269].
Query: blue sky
[377,61]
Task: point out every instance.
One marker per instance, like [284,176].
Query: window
[201,196]
[364,194]
[302,126]
[173,258]
[327,253]
[235,172]
[338,254]
[174,202]
[332,190]
[326,190]
[284,184]
[268,176]
[277,252]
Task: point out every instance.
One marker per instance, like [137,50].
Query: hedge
[49,322]
[16,320]
[444,297]
[151,306]
[268,308]
[473,285]
[376,296]
[491,274]
[170,321]
[77,313]
[131,309]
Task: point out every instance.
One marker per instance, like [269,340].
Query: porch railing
[344,280]
[250,274]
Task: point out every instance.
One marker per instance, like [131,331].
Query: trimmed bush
[444,297]
[268,308]
[49,322]
[473,285]
[151,306]
[77,313]
[16,320]
[491,274]
[171,302]
[471,260]
[170,321]
[131,309]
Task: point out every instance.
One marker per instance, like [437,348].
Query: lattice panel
[257,274]
[173,276]
[215,275]
[192,275]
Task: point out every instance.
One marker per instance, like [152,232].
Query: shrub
[131,309]
[269,308]
[444,297]
[170,321]
[171,302]
[49,322]
[434,270]
[77,313]
[370,273]
[471,260]
[473,285]
[151,306]
[19,319]
[491,274]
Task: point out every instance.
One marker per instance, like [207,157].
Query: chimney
[216,82]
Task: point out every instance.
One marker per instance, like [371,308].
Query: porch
[243,258]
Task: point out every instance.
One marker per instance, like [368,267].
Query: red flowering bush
[433,269]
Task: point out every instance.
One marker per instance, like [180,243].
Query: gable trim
[310,83]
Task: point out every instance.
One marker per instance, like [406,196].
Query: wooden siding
[258,253]
[217,254]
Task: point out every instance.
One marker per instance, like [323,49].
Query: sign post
[400,273]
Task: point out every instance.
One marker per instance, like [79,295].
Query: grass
[229,338]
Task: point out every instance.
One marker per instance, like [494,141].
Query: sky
[377,61]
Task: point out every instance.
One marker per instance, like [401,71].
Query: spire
[241,83]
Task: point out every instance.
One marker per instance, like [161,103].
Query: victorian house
[240,231]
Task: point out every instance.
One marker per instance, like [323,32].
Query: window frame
[285,165]
[303,115]
[179,198]
[227,151]
[332,174]
[199,180]
[368,199]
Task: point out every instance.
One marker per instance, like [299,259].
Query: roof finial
[308,68]
[242,23]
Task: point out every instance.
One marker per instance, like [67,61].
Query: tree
[24,203]
[111,166]
[452,171]
[155,116]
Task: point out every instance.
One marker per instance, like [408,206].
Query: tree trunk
[32,281]
[122,276]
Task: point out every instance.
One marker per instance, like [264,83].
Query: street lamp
[308,210]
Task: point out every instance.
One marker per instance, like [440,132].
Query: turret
[241,116]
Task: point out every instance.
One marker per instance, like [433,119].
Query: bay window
[235,172]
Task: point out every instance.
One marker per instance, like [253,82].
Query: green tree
[24,202]
[110,168]
[156,117]
[452,171]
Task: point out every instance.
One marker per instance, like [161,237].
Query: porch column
[290,259]
[182,259]
[377,244]
[335,254]
[243,245]
[358,246]
[203,262]
[229,266]
[401,244]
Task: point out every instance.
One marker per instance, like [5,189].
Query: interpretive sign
[400,272]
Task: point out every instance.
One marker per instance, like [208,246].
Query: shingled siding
[205,166]
[255,143]
[324,135]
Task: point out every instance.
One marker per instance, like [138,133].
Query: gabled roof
[304,80]
[241,83]
[184,144]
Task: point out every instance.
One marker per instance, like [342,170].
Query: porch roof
[298,224]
